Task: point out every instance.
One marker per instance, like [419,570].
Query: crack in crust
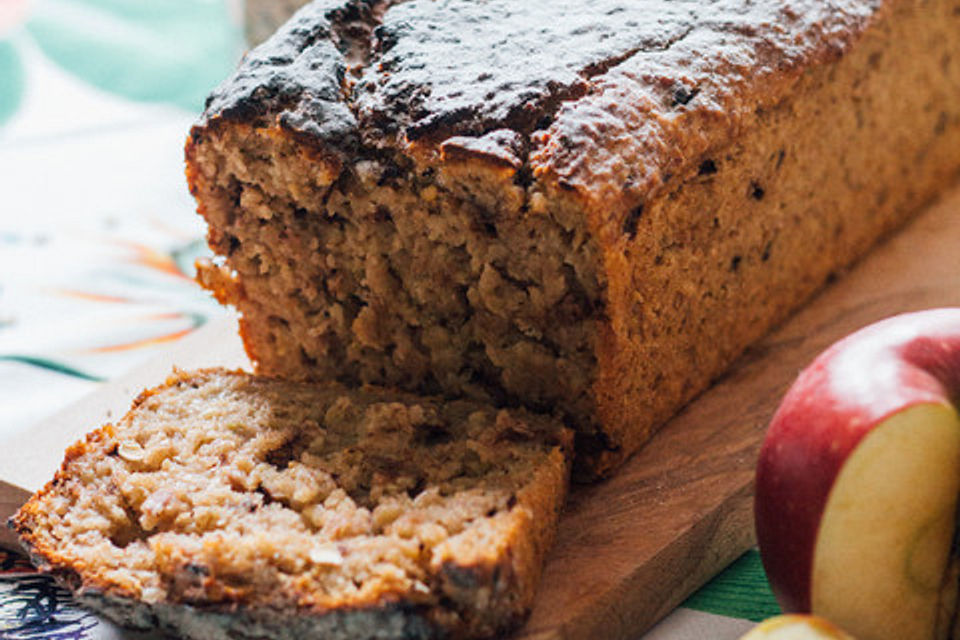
[488,77]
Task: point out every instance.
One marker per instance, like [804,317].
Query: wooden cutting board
[630,549]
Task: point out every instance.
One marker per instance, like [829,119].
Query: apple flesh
[885,534]
[858,481]
[796,627]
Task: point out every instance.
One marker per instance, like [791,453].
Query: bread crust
[468,590]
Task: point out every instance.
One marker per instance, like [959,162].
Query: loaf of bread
[582,207]
[229,506]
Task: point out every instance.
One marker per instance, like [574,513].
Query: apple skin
[847,391]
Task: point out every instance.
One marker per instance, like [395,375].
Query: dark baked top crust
[607,94]
[296,77]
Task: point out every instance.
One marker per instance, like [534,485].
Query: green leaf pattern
[11,80]
[162,51]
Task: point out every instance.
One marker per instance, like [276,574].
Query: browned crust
[826,218]
[648,134]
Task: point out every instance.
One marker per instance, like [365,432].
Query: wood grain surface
[630,549]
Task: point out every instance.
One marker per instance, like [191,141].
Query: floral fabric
[97,231]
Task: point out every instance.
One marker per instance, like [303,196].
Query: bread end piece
[224,502]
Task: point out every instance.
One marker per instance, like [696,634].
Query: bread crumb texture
[253,500]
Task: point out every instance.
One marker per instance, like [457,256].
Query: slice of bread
[225,505]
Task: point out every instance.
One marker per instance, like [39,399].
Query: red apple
[796,627]
[858,480]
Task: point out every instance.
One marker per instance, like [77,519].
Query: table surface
[98,237]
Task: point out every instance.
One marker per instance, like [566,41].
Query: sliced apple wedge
[886,531]
[858,482]
[796,627]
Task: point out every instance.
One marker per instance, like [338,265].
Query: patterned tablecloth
[98,236]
